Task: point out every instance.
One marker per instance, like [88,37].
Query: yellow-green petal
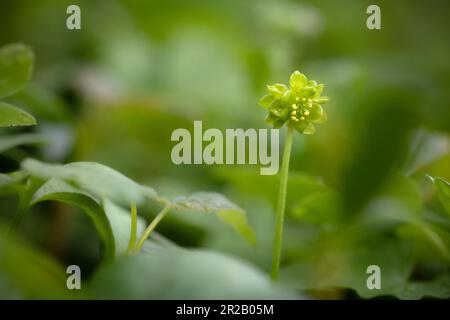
[267,100]
[277,89]
[318,90]
[321,100]
[317,114]
[297,80]
[279,109]
[310,129]
[289,98]
[275,121]
[308,92]
[305,127]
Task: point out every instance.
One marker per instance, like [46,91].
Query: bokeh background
[358,193]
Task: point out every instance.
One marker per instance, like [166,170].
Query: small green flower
[300,104]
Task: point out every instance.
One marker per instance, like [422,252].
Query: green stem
[152,226]
[133,231]
[281,204]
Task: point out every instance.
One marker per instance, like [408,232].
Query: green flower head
[300,104]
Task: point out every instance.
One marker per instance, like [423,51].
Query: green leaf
[426,147]
[99,180]
[226,210]
[320,207]
[183,274]
[9,142]
[379,147]
[43,104]
[346,267]
[300,185]
[16,66]
[9,182]
[111,221]
[29,274]
[436,288]
[443,188]
[59,190]
[13,116]
[5,180]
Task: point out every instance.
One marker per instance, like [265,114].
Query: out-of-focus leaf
[5,180]
[111,221]
[443,188]
[381,146]
[12,116]
[205,202]
[215,202]
[16,66]
[437,288]
[387,212]
[97,179]
[318,207]
[266,187]
[183,274]
[426,148]
[8,142]
[10,181]
[346,267]
[30,274]
[58,190]
[43,104]
[405,190]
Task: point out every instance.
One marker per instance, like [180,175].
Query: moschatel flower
[300,104]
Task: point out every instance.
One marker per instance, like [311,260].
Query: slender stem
[281,204]
[133,231]
[152,226]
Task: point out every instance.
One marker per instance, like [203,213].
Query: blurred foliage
[113,92]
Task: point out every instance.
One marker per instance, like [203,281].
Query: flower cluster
[300,104]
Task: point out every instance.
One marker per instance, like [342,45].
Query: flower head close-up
[299,104]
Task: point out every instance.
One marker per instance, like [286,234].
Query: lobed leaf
[346,267]
[58,190]
[16,66]
[443,188]
[175,273]
[13,116]
[29,274]
[111,221]
[9,142]
[226,210]
[97,179]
